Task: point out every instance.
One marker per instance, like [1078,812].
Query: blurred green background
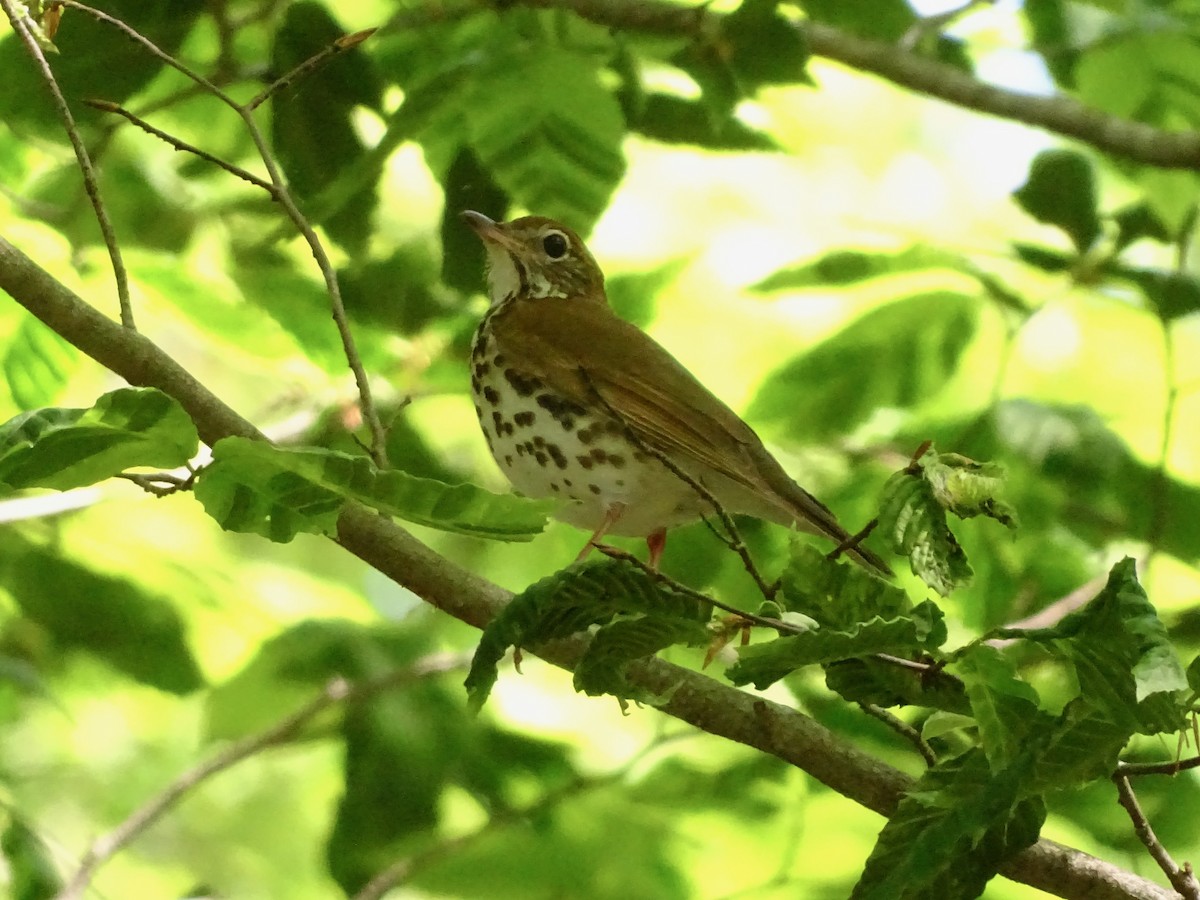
[841,259]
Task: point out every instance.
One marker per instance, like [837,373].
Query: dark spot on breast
[508,460]
[478,410]
[481,369]
[639,456]
[584,435]
[585,461]
[476,384]
[554,486]
[524,419]
[599,454]
[567,423]
[499,360]
[595,489]
[557,455]
[567,482]
[612,426]
[539,441]
[520,448]
[529,445]
[523,384]
[616,460]
[541,458]
[491,395]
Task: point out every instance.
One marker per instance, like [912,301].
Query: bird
[578,404]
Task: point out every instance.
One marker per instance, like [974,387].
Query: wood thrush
[579,404]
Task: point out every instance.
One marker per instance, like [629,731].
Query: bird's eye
[555,244]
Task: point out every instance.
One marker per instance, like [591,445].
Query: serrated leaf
[603,667]
[951,833]
[1005,707]
[112,619]
[764,664]
[837,593]
[1043,258]
[68,448]
[566,603]
[312,129]
[893,357]
[886,684]
[1124,660]
[554,143]
[36,364]
[1061,191]
[914,523]
[251,486]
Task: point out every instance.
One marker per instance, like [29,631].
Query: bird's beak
[491,233]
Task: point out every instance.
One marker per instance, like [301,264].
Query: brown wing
[581,346]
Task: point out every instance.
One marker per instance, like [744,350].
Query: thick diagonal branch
[694,698]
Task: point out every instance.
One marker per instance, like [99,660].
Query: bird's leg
[610,519]
[656,542]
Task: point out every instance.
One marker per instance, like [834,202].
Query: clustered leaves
[522,108]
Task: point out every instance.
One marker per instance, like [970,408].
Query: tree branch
[714,707]
[1059,114]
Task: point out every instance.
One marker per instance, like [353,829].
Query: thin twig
[734,539]
[310,65]
[21,25]
[282,195]
[1181,879]
[337,691]
[663,579]
[161,484]
[179,144]
[1129,770]
[903,729]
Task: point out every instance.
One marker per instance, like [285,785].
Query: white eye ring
[555,244]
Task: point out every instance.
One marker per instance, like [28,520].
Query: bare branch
[1181,878]
[310,65]
[18,17]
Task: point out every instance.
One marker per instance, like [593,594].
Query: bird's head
[536,257]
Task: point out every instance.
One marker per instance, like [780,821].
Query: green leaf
[571,601]
[633,295]
[468,186]
[68,448]
[884,683]
[312,128]
[604,666]
[762,46]
[1004,706]
[896,356]
[836,593]
[1061,191]
[94,60]
[251,486]
[554,143]
[951,833]
[32,874]
[1052,38]
[1124,660]
[677,120]
[764,664]
[914,522]
[36,364]
[846,267]
[967,488]
[113,619]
